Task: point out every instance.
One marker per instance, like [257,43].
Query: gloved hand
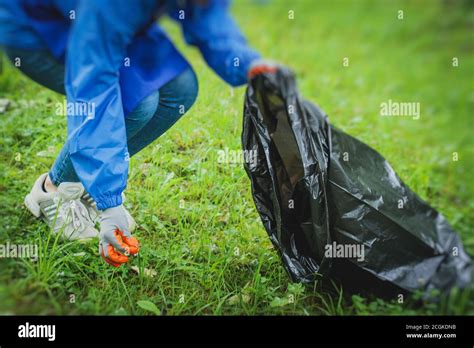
[116,241]
[261,66]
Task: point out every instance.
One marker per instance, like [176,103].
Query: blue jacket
[95,39]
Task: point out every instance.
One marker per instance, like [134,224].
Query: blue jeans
[153,116]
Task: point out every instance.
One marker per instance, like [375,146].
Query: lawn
[198,226]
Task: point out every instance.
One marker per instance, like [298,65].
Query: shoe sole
[32,206]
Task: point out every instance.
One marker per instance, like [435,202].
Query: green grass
[198,226]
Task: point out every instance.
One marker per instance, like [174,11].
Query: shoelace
[76,211]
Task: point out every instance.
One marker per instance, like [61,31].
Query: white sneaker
[62,210]
[94,213]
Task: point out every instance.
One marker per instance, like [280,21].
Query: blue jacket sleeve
[211,28]
[97,48]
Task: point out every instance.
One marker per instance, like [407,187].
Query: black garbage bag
[333,206]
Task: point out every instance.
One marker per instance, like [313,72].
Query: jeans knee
[142,114]
[192,90]
[185,91]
